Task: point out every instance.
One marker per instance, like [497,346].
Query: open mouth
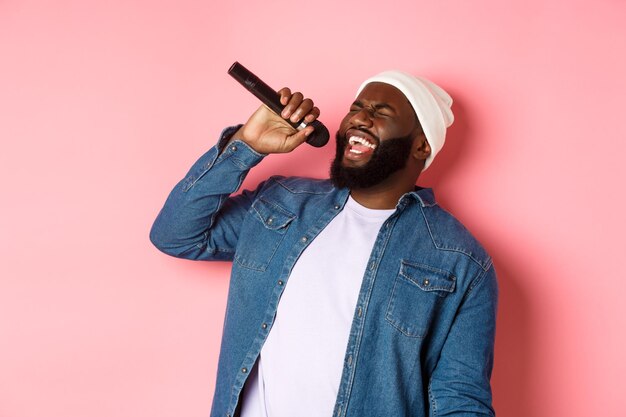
[359,143]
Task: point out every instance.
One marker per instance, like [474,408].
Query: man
[355,296]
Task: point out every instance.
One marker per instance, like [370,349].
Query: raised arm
[200,220]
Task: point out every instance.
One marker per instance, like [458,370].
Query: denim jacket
[422,336]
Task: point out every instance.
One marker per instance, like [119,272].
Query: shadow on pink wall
[511,379]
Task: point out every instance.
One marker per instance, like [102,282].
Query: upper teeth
[356,139]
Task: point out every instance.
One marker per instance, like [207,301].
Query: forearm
[198,220]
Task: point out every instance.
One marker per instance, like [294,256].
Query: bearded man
[352,296]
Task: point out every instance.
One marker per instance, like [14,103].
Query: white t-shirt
[300,365]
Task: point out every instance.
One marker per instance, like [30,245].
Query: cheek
[387,131]
[343,126]
[391,129]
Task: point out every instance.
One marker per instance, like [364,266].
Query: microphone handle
[271,99]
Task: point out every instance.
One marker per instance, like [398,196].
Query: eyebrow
[377,106]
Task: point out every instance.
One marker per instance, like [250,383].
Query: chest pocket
[418,294]
[265,229]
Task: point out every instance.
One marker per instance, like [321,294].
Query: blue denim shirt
[422,336]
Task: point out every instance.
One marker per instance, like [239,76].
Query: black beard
[390,156]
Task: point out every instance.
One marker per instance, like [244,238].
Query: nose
[362,118]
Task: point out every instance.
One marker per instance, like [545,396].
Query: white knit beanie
[430,102]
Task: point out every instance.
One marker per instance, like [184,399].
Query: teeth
[355,151]
[356,139]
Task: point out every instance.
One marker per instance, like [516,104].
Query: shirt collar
[424,196]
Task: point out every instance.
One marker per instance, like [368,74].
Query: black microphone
[271,99]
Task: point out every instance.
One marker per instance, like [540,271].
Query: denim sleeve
[200,220]
[460,383]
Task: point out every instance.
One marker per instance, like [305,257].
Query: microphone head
[320,135]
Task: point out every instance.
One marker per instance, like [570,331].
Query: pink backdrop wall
[104,105]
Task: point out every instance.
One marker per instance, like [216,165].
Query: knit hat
[430,102]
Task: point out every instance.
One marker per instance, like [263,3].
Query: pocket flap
[427,277]
[272,215]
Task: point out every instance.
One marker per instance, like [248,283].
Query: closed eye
[385,110]
[378,109]
[356,106]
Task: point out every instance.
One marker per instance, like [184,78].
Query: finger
[285,95]
[294,101]
[297,139]
[303,109]
[313,114]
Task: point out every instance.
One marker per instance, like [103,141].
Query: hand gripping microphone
[271,99]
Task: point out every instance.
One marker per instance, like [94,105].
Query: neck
[384,195]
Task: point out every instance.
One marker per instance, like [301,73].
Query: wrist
[243,135]
[236,135]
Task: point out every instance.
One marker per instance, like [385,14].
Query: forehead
[381,93]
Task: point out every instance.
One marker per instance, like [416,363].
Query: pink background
[104,106]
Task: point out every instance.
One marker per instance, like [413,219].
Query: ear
[421,148]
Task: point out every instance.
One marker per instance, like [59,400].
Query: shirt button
[360,311]
[426,282]
[244,370]
[270,221]
[264,325]
[233,148]
[337,206]
[304,239]
[280,282]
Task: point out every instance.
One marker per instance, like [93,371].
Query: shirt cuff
[238,151]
